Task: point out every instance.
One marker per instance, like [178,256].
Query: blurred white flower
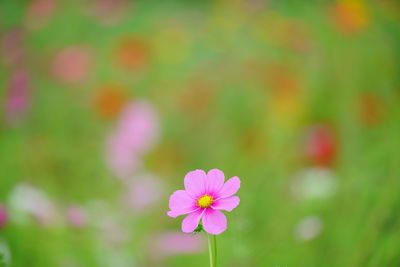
[114,232]
[27,201]
[308,228]
[6,253]
[108,221]
[314,183]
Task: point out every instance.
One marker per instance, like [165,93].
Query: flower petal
[214,221]
[190,223]
[195,183]
[230,188]
[227,204]
[176,213]
[181,203]
[215,180]
[179,200]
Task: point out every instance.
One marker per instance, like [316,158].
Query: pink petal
[215,180]
[230,188]
[214,222]
[181,203]
[190,223]
[176,213]
[195,183]
[227,204]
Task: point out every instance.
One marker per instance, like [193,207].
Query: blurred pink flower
[143,192]
[172,243]
[77,216]
[138,126]
[109,12]
[29,200]
[72,64]
[204,197]
[136,133]
[12,48]
[39,12]
[3,216]
[18,96]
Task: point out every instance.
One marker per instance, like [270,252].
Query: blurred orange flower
[110,100]
[350,16]
[132,53]
[371,109]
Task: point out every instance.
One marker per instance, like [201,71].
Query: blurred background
[107,104]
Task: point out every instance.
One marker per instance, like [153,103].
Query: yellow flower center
[205,201]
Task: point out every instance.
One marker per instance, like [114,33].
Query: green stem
[215,250]
[212,249]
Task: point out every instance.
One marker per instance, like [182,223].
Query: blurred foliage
[299,99]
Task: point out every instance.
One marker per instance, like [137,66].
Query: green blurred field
[236,85]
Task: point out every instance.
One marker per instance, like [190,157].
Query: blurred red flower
[321,146]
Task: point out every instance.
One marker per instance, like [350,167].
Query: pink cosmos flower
[204,197]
